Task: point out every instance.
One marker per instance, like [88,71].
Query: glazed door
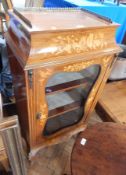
[65,94]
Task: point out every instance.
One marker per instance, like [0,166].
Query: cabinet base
[57,139]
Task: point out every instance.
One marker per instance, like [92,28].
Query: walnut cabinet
[60,60]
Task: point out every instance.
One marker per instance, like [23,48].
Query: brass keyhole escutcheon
[39,116]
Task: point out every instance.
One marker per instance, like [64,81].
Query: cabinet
[60,60]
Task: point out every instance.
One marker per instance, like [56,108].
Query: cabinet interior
[66,94]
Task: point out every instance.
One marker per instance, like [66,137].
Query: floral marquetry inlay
[84,64]
[80,42]
[91,97]
[78,66]
[44,74]
[105,61]
[43,109]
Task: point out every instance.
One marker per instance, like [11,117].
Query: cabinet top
[40,37]
[59,19]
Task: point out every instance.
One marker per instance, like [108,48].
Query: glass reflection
[66,94]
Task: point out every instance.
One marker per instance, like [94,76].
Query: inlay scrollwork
[43,111]
[78,66]
[80,42]
[84,64]
[105,61]
[91,97]
[44,74]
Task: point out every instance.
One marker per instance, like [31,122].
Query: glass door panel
[66,94]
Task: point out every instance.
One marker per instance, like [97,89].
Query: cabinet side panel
[19,84]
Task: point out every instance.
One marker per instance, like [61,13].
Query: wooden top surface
[60,19]
[51,37]
[113,100]
[104,152]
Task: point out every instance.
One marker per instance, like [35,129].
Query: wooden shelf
[63,109]
[62,121]
[68,85]
[63,102]
[68,91]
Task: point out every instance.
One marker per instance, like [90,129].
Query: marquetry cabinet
[60,60]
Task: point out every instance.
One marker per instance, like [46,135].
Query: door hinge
[30,74]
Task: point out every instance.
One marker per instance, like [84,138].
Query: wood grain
[3,155]
[104,152]
[112,102]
